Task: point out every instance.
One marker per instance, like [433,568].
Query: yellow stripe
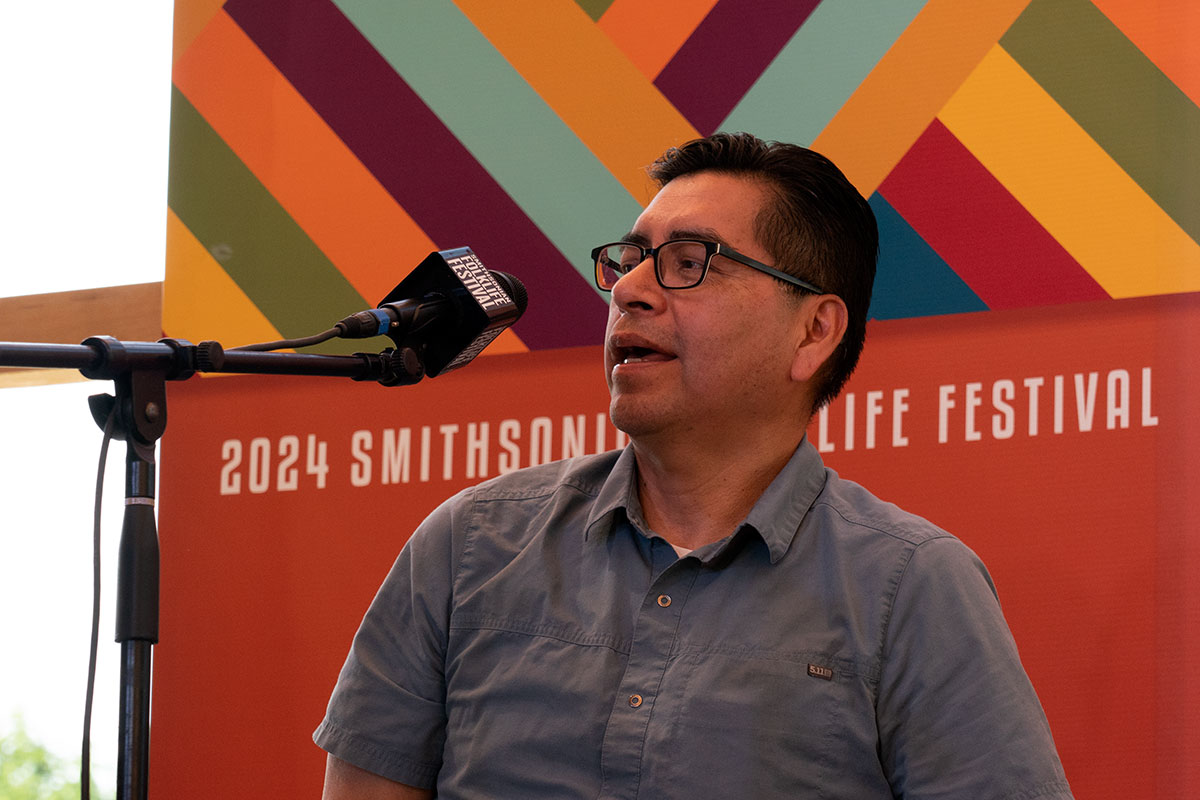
[911,82]
[592,86]
[200,301]
[1069,184]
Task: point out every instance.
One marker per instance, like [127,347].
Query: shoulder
[522,504]
[891,545]
[583,474]
[488,524]
[839,510]
[858,510]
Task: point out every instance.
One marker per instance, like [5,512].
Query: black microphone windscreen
[515,289]
[485,303]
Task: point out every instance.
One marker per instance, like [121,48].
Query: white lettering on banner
[899,406]
[256,464]
[517,445]
[477,449]
[976,410]
[849,403]
[1116,399]
[1004,421]
[874,411]
[474,450]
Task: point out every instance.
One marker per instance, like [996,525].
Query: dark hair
[819,228]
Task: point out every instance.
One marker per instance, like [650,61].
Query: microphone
[448,309]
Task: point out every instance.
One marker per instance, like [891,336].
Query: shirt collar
[618,492]
[775,517]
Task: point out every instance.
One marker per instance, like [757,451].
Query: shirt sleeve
[387,713]
[957,714]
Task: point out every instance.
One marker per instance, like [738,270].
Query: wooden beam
[132,313]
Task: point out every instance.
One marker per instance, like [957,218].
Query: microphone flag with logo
[482,304]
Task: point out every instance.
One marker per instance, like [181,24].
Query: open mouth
[637,355]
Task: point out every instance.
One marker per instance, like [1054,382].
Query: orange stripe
[299,159]
[190,18]
[650,34]
[622,118]
[901,96]
[1166,31]
[506,342]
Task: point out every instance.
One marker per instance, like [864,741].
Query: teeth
[635,355]
[639,354]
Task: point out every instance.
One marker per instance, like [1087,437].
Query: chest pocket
[754,723]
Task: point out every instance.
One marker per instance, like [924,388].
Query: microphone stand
[139,371]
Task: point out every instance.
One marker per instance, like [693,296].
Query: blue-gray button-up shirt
[536,640]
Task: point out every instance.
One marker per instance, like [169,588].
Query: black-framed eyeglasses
[678,264]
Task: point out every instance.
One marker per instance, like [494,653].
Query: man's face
[713,358]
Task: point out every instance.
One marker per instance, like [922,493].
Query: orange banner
[1058,446]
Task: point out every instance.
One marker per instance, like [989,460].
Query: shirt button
[664,600]
[635,700]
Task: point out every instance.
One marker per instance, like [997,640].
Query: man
[710,612]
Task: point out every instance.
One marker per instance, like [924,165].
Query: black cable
[307,341]
[85,767]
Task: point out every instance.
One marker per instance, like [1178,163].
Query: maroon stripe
[420,162]
[725,55]
[979,228]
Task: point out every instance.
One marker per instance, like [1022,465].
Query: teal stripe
[1116,94]
[911,279]
[817,71]
[539,161]
[256,242]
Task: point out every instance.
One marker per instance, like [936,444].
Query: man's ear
[825,319]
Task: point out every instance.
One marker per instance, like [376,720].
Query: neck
[694,491]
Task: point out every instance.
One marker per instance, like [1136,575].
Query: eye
[625,257]
[684,257]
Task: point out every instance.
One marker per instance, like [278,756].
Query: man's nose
[639,287]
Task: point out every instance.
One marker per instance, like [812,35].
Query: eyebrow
[707,234]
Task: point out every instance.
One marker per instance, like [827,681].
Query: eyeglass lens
[680,264]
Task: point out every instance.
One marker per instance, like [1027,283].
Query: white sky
[85,89]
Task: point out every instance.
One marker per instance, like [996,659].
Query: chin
[625,419]
[635,421]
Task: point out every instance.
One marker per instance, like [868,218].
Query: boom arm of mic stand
[391,367]
[103,357]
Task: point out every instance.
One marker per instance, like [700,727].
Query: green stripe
[1116,94]
[253,238]
[594,8]
[542,165]
[820,67]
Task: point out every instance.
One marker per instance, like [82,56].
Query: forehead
[708,204]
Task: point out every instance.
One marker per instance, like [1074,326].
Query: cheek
[737,360]
[614,314]
[608,326]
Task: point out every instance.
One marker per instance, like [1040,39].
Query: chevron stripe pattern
[1016,152]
